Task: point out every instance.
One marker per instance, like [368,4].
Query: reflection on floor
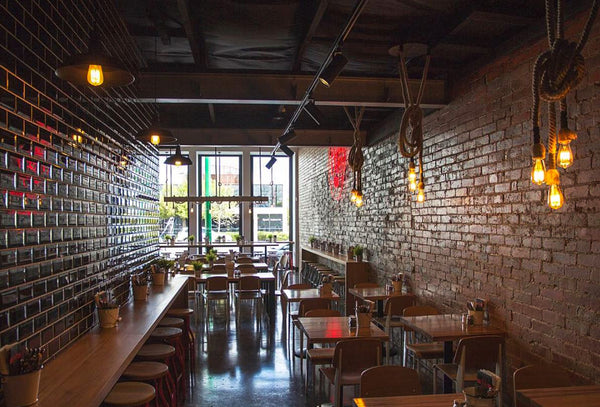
[244,366]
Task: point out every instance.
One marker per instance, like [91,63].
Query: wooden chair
[394,307]
[538,377]
[319,356]
[351,357]
[304,307]
[249,290]
[246,268]
[431,350]
[385,381]
[217,289]
[286,307]
[218,269]
[244,260]
[473,353]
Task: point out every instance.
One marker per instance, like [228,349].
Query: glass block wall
[78,196]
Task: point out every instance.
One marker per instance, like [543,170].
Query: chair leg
[434,379]
[339,395]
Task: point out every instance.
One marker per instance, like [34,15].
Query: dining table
[427,400]
[260,267]
[588,396]
[448,328]
[267,280]
[379,294]
[296,295]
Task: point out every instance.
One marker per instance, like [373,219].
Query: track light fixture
[271,162]
[287,137]
[94,67]
[335,67]
[178,159]
[314,112]
[288,151]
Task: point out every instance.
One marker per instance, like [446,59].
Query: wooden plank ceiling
[232,71]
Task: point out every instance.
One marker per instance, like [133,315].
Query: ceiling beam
[316,20]
[262,137]
[220,88]
[196,41]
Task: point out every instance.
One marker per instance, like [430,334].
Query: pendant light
[94,67]
[155,134]
[178,159]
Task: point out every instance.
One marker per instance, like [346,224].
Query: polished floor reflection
[240,364]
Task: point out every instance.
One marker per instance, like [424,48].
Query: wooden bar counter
[84,373]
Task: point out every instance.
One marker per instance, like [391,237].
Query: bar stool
[189,339]
[174,337]
[130,394]
[159,352]
[169,322]
[156,373]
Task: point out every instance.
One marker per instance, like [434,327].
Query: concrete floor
[242,366]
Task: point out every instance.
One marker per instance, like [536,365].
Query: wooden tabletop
[372,293]
[448,327]
[306,294]
[332,329]
[257,266]
[588,396]
[429,400]
[235,278]
[84,373]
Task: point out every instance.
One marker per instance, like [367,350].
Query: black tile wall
[73,221]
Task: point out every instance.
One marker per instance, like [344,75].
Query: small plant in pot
[312,241]
[237,238]
[191,239]
[20,368]
[108,310]
[358,252]
[139,283]
[169,239]
[211,256]
[270,238]
[198,265]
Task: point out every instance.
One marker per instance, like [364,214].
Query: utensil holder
[21,390]
[326,290]
[140,292]
[476,401]
[108,317]
[477,317]
[363,320]
[397,286]
[158,278]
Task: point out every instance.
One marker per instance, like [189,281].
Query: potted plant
[169,239]
[269,237]
[211,256]
[20,368]
[358,252]
[108,310]
[139,283]
[237,238]
[312,241]
[198,265]
[191,239]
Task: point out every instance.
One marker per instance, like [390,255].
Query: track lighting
[314,112]
[271,162]
[178,159]
[335,67]
[288,151]
[284,139]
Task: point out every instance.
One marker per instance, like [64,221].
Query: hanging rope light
[555,73]
[410,135]
[355,157]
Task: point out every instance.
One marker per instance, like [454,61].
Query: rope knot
[562,68]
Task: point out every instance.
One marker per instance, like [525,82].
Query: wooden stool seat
[130,394]
[163,333]
[171,322]
[180,312]
[145,371]
[155,351]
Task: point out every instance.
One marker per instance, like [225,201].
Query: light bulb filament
[538,172]
[155,139]
[95,76]
[565,156]
[555,197]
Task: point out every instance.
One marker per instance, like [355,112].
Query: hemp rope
[557,71]
[356,158]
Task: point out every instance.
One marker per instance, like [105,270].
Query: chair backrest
[395,305]
[246,268]
[313,303]
[216,283]
[249,283]
[322,312]
[366,285]
[479,352]
[245,260]
[539,377]
[419,310]
[283,261]
[353,356]
[389,380]
[299,286]
[218,269]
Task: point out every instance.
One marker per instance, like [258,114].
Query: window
[173,217]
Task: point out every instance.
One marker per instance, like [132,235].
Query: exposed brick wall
[485,229]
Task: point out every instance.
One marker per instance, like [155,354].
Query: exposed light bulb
[77,138]
[538,172]
[412,185]
[177,163]
[565,155]
[555,197]
[359,199]
[155,139]
[412,175]
[353,195]
[95,76]
[123,161]
[421,194]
